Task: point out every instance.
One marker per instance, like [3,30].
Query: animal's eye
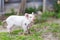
[25,23]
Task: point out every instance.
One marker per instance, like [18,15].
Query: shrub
[30,10]
[45,16]
[57,9]
[56,6]
[48,14]
[40,18]
[58,15]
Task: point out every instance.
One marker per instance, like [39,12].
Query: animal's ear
[32,12]
[26,15]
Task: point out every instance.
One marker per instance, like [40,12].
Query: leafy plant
[58,15]
[46,15]
[56,6]
[57,9]
[30,10]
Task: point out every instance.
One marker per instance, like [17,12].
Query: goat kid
[22,21]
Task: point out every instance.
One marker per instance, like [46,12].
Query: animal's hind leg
[9,28]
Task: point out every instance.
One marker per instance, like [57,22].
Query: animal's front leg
[25,30]
[28,31]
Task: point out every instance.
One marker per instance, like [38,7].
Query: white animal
[23,21]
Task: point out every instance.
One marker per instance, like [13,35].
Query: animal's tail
[3,24]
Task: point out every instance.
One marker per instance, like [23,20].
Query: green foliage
[4,36]
[56,6]
[55,28]
[28,37]
[36,32]
[17,31]
[40,19]
[46,15]
[43,19]
[57,9]
[30,10]
[40,8]
[57,15]
[0,23]
[12,11]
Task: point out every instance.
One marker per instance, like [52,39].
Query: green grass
[17,31]
[0,23]
[6,36]
[36,32]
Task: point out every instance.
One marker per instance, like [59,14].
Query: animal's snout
[34,19]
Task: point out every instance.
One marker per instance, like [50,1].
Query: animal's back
[14,19]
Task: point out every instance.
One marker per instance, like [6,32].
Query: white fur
[22,21]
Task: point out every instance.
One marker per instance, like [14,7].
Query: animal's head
[30,17]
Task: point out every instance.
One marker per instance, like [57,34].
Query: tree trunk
[22,7]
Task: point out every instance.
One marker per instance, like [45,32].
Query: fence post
[44,5]
[1,6]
